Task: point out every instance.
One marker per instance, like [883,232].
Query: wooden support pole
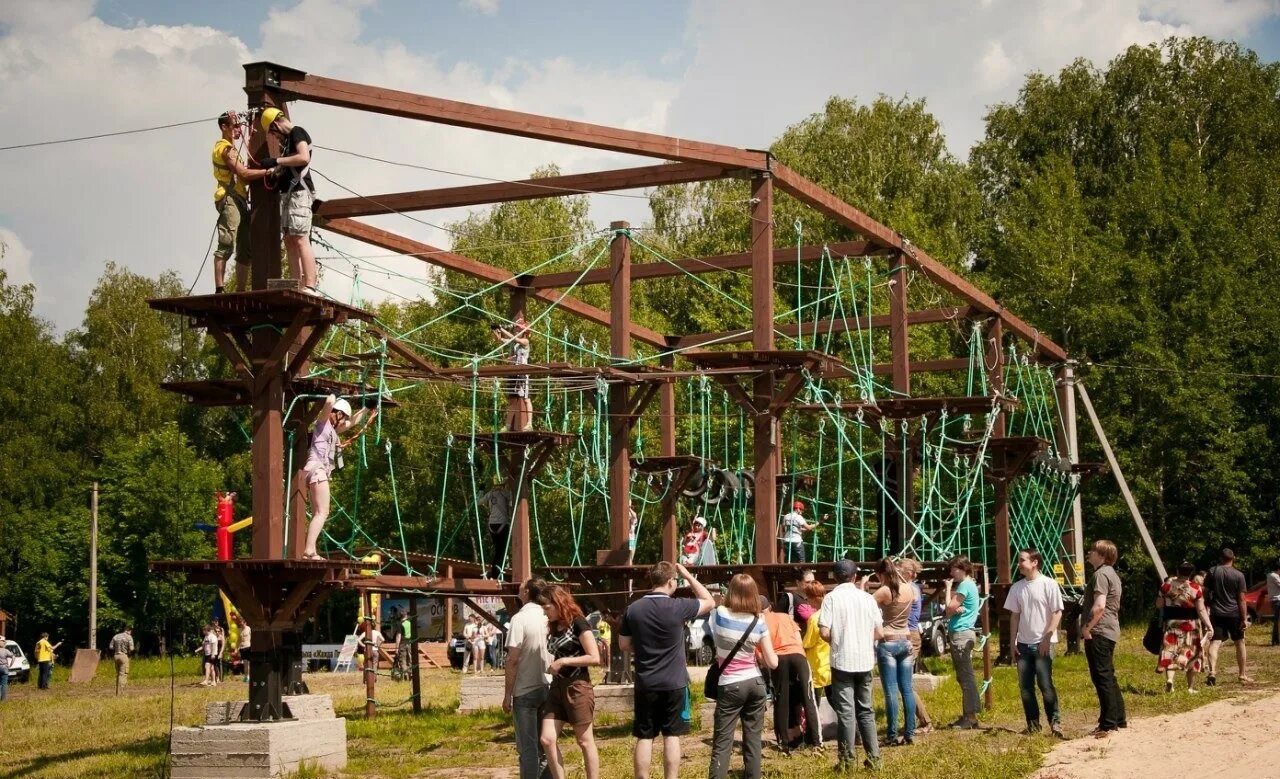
[900,371]
[667,448]
[414,670]
[994,360]
[988,697]
[298,495]
[1074,541]
[448,606]
[268,459]
[766,430]
[620,420]
[1124,484]
[370,661]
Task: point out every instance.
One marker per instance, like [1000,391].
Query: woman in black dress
[571,699]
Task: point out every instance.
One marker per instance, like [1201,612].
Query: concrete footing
[225,748]
[485,692]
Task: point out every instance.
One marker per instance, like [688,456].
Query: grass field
[85,731]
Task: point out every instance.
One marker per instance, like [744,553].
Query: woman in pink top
[322,457]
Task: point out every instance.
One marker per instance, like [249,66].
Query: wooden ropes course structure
[273,336]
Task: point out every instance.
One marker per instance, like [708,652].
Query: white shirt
[791,527]
[1034,601]
[527,634]
[852,616]
[1273,586]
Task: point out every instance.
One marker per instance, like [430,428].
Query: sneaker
[964,724]
[925,728]
[1192,691]
[1168,687]
[1055,730]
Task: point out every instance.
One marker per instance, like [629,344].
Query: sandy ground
[1231,738]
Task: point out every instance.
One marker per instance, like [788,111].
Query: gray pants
[851,698]
[962,643]
[524,710]
[743,700]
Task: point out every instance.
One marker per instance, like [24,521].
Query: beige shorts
[295,212]
[233,228]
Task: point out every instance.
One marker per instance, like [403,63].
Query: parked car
[933,629]
[699,646]
[20,670]
[1258,603]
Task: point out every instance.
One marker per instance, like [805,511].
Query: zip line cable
[106,135]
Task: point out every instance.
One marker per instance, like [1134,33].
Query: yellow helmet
[269,115]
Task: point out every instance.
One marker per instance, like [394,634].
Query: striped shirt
[852,616]
[727,628]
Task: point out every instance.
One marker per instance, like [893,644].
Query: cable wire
[106,135]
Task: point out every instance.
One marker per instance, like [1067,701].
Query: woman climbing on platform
[519,406]
[322,459]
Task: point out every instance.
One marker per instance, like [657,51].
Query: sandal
[1246,679]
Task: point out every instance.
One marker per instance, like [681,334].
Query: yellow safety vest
[222,173]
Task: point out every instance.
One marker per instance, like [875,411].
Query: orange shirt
[785,633]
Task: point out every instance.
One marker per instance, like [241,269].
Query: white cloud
[144,200]
[15,258]
[486,7]
[960,57]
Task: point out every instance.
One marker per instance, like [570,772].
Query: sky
[730,71]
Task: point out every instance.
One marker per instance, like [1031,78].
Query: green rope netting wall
[837,461]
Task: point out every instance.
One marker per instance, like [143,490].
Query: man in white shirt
[526,676]
[794,526]
[850,620]
[1035,605]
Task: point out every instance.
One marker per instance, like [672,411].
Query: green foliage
[1132,215]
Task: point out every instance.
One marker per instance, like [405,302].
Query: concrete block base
[243,750]
[485,692]
[301,707]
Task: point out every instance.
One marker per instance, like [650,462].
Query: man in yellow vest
[44,658]
[231,199]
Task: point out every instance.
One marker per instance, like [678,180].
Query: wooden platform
[238,392]
[259,307]
[910,408]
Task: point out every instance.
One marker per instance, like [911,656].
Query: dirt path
[1230,738]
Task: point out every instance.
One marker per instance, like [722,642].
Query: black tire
[696,485]
[938,641]
[715,489]
[730,487]
[705,654]
[23,677]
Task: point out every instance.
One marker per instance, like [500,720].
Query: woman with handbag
[734,678]
[1187,627]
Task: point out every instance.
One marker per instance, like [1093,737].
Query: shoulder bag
[712,685]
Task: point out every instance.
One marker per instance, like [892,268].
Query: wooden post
[93,569]
[1074,540]
[521,551]
[413,647]
[667,447]
[299,489]
[448,609]
[370,661]
[620,422]
[268,456]
[1000,510]
[766,432]
[900,357]
[264,217]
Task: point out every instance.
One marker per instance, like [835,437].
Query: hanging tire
[730,487]
[747,480]
[714,491]
[696,485]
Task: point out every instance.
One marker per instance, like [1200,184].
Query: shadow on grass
[156,747]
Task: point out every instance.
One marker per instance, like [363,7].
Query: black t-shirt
[1222,588]
[289,176]
[655,625]
[564,644]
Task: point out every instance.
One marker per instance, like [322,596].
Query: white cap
[342,405]
[699,521]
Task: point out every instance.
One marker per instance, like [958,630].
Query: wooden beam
[825,326]
[525,189]
[620,394]
[465,265]
[742,261]
[766,430]
[816,197]
[329,91]
[926,366]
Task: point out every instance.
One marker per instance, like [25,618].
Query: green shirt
[406,630]
[967,617]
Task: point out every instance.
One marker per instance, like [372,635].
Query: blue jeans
[851,696]
[46,675]
[896,667]
[525,712]
[4,684]
[1036,671]
[793,551]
